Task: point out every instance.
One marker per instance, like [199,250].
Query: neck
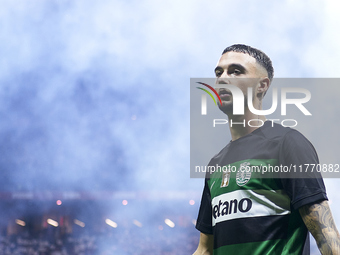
[239,126]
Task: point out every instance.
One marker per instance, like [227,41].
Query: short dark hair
[260,56]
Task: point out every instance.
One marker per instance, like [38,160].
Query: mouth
[224,93]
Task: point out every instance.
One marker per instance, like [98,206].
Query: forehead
[237,58]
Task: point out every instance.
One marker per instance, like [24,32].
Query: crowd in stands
[159,242]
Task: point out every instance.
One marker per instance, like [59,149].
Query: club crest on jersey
[225,179]
[243,174]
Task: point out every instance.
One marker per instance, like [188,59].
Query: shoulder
[277,132]
[274,131]
[220,154]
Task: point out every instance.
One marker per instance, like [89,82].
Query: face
[241,70]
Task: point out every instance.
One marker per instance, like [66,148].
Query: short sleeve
[204,219]
[297,152]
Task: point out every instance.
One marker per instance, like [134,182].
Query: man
[242,212]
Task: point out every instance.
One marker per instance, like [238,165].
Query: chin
[226,107]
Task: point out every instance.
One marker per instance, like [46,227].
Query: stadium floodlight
[52,222]
[111,223]
[79,223]
[194,222]
[137,223]
[169,223]
[20,222]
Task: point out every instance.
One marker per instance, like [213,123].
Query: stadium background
[94,106]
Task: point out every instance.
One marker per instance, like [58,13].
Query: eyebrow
[233,65]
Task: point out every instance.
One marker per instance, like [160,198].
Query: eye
[218,72]
[235,71]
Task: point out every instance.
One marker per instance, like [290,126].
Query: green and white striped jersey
[250,201]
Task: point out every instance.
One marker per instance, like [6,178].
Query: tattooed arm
[319,221]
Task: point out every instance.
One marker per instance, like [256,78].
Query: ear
[263,86]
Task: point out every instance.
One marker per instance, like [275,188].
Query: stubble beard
[226,107]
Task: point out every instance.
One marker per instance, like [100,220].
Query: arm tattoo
[319,221]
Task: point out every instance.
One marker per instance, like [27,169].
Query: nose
[223,79]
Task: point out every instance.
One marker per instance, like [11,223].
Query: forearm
[205,245]
[202,252]
[319,221]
